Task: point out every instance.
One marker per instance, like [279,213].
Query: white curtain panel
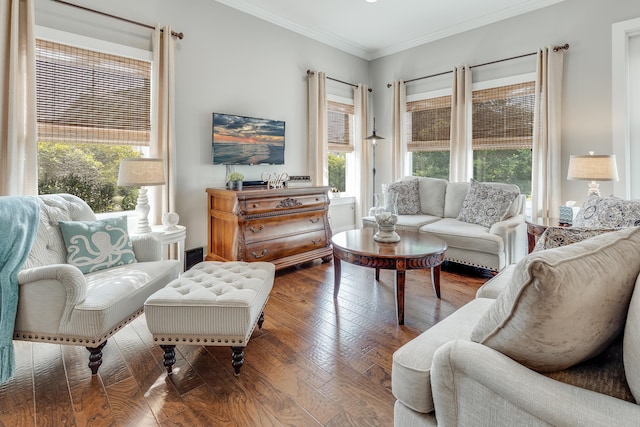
[362,153]
[18,132]
[398,143]
[163,122]
[461,160]
[317,128]
[546,168]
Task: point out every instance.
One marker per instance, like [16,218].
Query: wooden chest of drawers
[283,226]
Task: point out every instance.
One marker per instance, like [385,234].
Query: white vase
[386,214]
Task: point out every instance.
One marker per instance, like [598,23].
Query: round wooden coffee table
[413,251]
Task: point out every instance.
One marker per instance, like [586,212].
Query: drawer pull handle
[256,205]
[255,255]
[314,220]
[258,230]
[316,242]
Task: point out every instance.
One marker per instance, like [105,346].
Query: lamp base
[594,188]
[142,209]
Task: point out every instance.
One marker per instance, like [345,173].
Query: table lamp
[593,168]
[141,172]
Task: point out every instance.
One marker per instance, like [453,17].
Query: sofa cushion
[460,234]
[454,197]
[411,368]
[603,373]
[564,305]
[432,195]
[485,204]
[408,196]
[608,212]
[631,344]
[96,245]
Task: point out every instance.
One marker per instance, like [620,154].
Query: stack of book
[299,181]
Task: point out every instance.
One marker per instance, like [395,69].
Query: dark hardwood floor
[316,362]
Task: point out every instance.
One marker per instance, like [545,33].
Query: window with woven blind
[340,117]
[93,109]
[428,129]
[503,134]
[340,122]
[91,97]
[503,117]
[429,124]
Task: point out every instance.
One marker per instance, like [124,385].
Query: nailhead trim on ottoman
[213,303]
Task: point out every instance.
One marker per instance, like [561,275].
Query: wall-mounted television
[241,140]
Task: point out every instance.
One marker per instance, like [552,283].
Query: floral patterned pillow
[408,196]
[96,245]
[608,212]
[485,204]
[554,237]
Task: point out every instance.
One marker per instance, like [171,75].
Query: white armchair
[59,304]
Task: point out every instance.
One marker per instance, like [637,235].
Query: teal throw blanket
[18,228]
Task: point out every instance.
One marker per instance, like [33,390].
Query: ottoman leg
[237,359]
[261,320]
[169,357]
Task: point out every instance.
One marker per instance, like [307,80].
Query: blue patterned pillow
[96,245]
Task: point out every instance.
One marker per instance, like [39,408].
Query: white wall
[228,62]
[586,112]
[231,62]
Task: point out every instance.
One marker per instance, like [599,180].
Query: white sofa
[560,345]
[59,304]
[440,202]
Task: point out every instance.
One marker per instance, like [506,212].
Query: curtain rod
[311,73]
[173,33]
[555,49]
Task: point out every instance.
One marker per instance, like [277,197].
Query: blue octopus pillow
[96,245]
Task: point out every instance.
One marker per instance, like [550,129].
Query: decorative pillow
[608,212]
[486,203]
[96,245]
[564,305]
[554,237]
[408,196]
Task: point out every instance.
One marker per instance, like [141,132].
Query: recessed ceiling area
[374,29]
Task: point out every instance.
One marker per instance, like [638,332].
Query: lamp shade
[373,137]
[593,168]
[141,172]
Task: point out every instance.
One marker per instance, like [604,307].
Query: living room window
[502,117]
[340,137]
[428,124]
[93,109]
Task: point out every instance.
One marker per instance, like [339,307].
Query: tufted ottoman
[213,303]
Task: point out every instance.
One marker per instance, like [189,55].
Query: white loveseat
[439,204]
[59,304]
[560,345]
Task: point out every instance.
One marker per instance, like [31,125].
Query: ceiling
[373,30]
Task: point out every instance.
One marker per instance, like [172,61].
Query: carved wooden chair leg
[169,357]
[237,360]
[95,358]
[260,320]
